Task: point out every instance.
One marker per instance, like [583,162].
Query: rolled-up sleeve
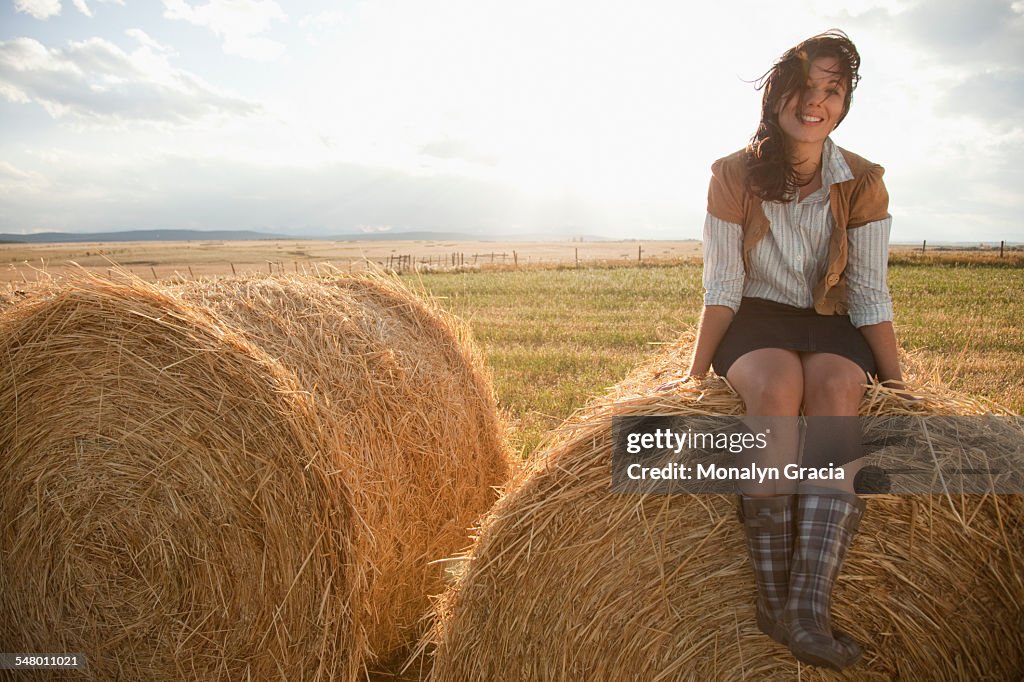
[723,263]
[866,269]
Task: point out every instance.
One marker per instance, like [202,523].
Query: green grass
[964,323]
[556,338]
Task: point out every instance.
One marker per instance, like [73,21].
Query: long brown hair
[770,173]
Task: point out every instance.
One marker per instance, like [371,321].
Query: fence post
[232,270]
[153,270]
[515,259]
[640,254]
[923,245]
[1001,245]
[577,250]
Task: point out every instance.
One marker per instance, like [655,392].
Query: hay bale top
[365,314]
[658,381]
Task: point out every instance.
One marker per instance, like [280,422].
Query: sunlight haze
[490,118]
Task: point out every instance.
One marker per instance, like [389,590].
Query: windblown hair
[771,175]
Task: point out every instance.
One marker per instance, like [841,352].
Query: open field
[555,336]
[160,260]
[22,263]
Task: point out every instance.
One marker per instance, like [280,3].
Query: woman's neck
[806,160]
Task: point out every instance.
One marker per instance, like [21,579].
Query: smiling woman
[797,316]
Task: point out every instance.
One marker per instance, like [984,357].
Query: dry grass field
[163,260]
[555,338]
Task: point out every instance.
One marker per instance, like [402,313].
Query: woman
[797,315]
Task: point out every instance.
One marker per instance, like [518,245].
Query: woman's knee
[769,383]
[774,398]
[837,385]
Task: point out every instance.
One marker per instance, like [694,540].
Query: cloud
[90,194]
[997,97]
[40,9]
[323,20]
[82,7]
[14,180]
[317,25]
[44,9]
[238,23]
[455,149]
[984,31]
[143,39]
[97,82]
[974,51]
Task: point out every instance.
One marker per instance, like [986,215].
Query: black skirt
[761,323]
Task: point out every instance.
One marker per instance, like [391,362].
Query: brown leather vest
[854,203]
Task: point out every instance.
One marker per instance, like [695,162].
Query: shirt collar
[834,168]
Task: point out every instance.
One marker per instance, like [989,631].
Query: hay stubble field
[555,338]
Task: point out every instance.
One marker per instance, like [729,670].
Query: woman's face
[808,116]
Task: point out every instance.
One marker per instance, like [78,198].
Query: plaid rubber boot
[768,524]
[826,524]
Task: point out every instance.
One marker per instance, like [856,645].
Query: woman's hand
[881,338]
[677,384]
[900,389]
[697,371]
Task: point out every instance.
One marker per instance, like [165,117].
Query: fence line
[408,263]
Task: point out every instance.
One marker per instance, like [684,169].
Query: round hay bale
[166,505]
[405,403]
[569,581]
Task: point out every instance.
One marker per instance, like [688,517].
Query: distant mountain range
[248,235]
[420,235]
[137,236]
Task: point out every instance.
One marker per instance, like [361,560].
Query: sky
[510,117]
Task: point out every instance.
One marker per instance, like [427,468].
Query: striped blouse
[792,257]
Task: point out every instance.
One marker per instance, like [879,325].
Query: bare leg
[771,383]
[833,387]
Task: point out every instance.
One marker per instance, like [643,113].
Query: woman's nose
[814,96]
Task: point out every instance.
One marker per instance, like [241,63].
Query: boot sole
[779,634]
[822,661]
